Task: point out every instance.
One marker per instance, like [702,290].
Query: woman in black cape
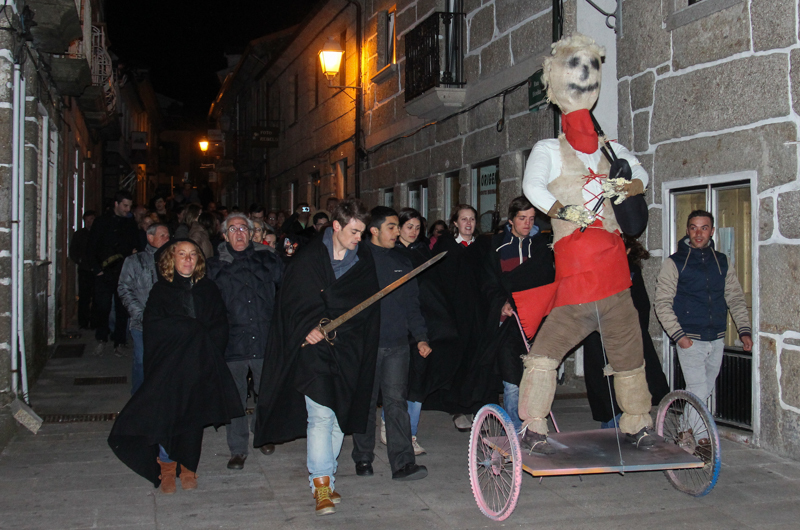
[468,377]
[187,385]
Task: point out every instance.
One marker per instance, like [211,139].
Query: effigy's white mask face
[575,80]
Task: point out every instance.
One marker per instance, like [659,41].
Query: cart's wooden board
[589,452]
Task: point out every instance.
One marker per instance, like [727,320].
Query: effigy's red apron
[590,266]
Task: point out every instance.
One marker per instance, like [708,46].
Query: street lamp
[330,58]
[204,145]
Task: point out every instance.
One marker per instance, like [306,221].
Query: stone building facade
[708,97]
[705,95]
[56,108]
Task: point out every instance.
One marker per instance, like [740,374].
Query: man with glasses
[247,275]
[320,221]
[272,220]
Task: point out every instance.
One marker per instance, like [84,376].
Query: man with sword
[319,365]
[322,390]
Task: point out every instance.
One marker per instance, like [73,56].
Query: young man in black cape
[520,259]
[322,390]
[400,316]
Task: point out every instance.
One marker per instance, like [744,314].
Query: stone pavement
[67,477]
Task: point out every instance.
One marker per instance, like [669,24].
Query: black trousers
[85,298]
[105,290]
[391,379]
[597,392]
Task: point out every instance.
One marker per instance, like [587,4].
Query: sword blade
[333,324]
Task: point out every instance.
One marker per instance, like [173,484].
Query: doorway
[730,202]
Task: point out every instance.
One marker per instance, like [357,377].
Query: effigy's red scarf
[579,130]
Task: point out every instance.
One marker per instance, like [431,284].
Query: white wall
[593,24]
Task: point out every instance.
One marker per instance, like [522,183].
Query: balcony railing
[103,69]
[435,54]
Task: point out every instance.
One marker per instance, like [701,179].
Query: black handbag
[632,214]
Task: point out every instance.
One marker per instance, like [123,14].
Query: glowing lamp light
[330,58]
[204,145]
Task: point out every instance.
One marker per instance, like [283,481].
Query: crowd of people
[222,306]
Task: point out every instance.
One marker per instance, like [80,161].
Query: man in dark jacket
[696,288]
[138,276]
[247,275]
[113,238]
[400,315]
[78,249]
[520,260]
[322,390]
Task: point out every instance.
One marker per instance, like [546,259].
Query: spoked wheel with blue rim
[685,421]
[495,463]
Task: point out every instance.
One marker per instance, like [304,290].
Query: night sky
[183,42]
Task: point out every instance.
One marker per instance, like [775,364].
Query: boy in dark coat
[520,260]
[322,390]
[400,315]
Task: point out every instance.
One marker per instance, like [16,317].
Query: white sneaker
[463,422]
[100,349]
[418,450]
[383,432]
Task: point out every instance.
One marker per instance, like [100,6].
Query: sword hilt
[329,336]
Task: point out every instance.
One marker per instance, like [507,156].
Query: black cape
[187,385]
[339,377]
[505,341]
[597,388]
[427,375]
[471,380]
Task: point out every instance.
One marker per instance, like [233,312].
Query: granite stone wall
[505,42]
[718,95]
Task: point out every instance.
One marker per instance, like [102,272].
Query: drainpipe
[557,22]
[45,152]
[359,100]
[14,228]
[23,359]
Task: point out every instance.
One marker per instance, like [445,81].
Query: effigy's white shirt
[544,166]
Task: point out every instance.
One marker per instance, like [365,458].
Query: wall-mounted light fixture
[330,60]
[203,145]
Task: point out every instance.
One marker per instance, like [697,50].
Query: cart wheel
[495,462]
[686,422]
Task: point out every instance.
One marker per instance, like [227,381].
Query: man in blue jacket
[400,316]
[696,288]
[247,275]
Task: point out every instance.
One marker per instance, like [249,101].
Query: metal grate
[434,54]
[68,351]
[734,389]
[78,418]
[111,380]
[733,393]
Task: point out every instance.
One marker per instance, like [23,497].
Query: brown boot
[167,477]
[322,494]
[188,479]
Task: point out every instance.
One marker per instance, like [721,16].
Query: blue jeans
[414,408]
[511,403]
[137,373]
[163,456]
[324,442]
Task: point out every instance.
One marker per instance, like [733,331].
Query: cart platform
[596,451]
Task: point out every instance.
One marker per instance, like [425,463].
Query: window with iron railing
[435,54]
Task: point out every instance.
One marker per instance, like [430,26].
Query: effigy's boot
[536,392]
[634,400]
